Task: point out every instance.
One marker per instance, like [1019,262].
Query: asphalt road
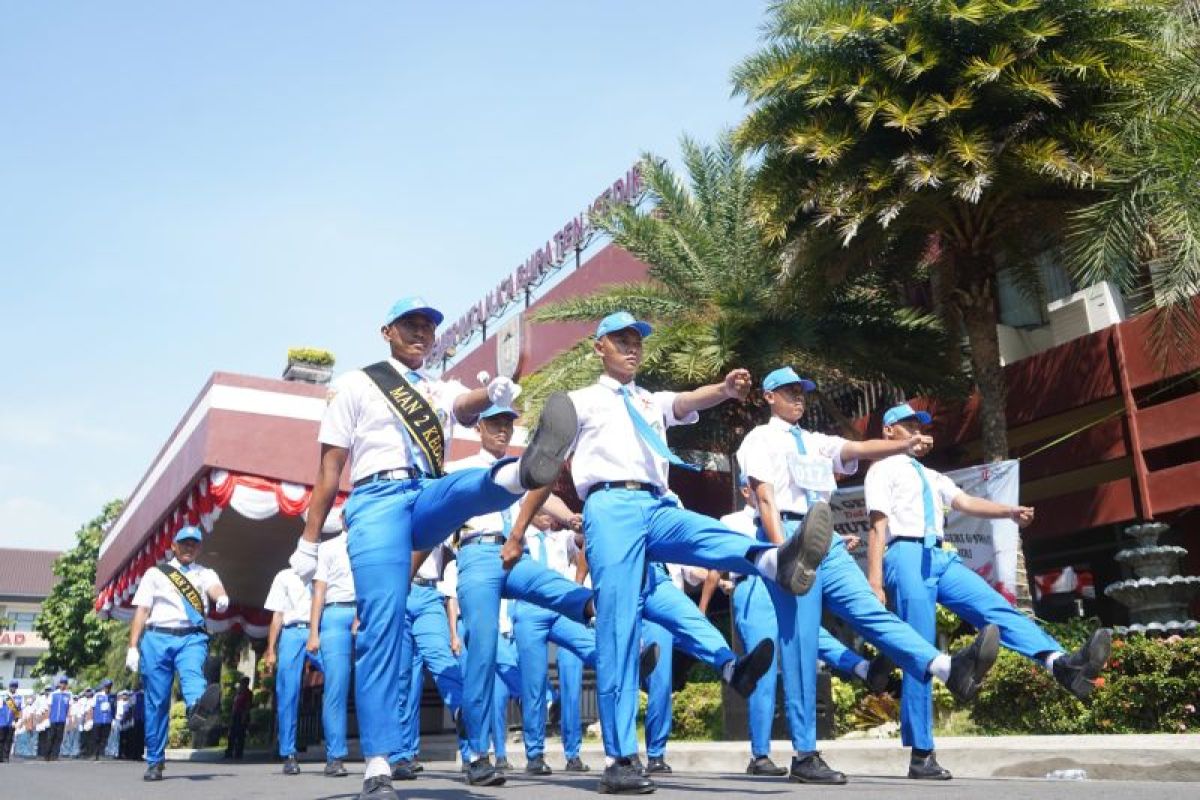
[70,780]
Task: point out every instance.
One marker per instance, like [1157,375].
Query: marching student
[290,601]
[391,421]
[168,636]
[58,714]
[102,719]
[620,469]
[906,557]
[331,636]
[791,473]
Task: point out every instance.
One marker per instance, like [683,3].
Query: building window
[24,667]
[21,620]
[1021,309]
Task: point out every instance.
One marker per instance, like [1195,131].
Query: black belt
[296,625]
[428,583]
[786,516]
[341,604]
[176,631]
[917,539]
[632,486]
[398,474]
[740,579]
[481,538]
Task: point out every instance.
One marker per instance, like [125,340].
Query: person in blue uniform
[10,713]
[102,719]
[392,421]
[60,712]
[290,602]
[168,637]
[331,637]
[906,557]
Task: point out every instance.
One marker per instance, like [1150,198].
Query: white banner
[988,546]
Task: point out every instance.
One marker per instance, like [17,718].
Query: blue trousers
[658,688]
[962,591]
[428,642]
[505,685]
[625,528]
[482,582]
[289,672]
[387,520]
[841,586]
[570,695]
[337,652]
[533,628]
[163,655]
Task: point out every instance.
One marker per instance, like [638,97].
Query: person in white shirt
[391,421]
[290,601]
[619,467]
[176,641]
[483,580]
[907,503]
[791,473]
[331,636]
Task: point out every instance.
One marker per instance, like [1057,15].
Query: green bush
[178,733]
[696,711]
[311,355]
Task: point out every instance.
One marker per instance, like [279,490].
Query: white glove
[303,561]
[223,603]
[131,659]
[502,391]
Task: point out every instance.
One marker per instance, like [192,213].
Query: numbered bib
[813,473]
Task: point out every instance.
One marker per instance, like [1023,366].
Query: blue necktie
[810,496]
[540,536]
[929,540]
[650,436]
[507,519]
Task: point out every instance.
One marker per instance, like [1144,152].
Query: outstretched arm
[736,386]
[987,509]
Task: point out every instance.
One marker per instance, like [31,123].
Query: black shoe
[1077,671]
[926,768]
[482,773]
[547,451]
[656,765]
[648,660]
[504,765]
[290,767]
[378,788]
[970,664]
[636,761]
[205,714]
[879,674]
[334,768]
[623,777]
[763,765]
[813,769]
[537,766]
[576,765]
[402,771]
[153,772]
[752,666]
[416,766]
[800,555]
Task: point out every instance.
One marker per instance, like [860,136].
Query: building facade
[26,578]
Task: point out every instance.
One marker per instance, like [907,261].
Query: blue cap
[496,411]
[63,679]
[621,320]
[412,305]
[189,532]
[13,684]
[107,682]
[782,377]
[905,411]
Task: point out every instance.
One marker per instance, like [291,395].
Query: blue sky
[193,187]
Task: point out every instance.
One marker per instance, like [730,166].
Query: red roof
[27,573]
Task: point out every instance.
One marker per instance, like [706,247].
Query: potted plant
[309,365]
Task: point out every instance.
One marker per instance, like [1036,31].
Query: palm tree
[717,300]
[1146,232]
[950,137]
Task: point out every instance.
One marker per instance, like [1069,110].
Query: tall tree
[717,298]
[78,638]
[949,136]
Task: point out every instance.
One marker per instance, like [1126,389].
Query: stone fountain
[1157,596]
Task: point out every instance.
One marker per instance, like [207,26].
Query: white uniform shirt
[769,454]
[607,445]
[166,604]
[359,418]
[41,712]
[558,558]
[448,585]
[432,567]
[893,488]
[290,595]
[683,576]
[333,569]
[743,522]
[492,522]
[573,551]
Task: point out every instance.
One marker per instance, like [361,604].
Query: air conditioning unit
[1089,310]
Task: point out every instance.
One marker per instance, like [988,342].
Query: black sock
[919,753]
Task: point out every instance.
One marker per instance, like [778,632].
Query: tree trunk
[977,300]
